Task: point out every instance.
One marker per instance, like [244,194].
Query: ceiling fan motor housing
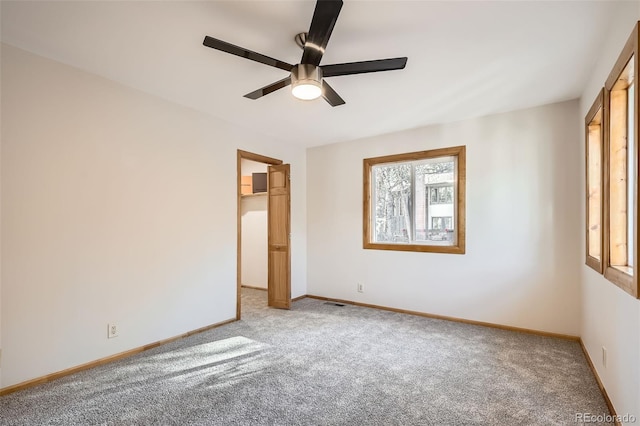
[303,73]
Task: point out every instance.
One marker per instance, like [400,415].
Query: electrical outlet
[112,331]
[604,356]
[360,288]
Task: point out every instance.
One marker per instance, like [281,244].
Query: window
[441,194]
[621,168]
[416,201]
[441,223]
[594,133]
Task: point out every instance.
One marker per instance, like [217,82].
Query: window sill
[622,277]
[624,269]
[594,263]
[422,248]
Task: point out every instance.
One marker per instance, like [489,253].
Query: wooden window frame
[459,212]
[615,274]
[597,107]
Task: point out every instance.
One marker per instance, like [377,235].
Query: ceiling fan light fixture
[306,82]
[307,91]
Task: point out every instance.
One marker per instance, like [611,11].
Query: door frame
[244,155]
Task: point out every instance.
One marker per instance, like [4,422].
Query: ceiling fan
[307,79]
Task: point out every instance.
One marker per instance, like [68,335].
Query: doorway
[276,200]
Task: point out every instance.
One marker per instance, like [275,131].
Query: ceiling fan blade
[268,89]
[330,95]
[214,43]
[322,23]
[363,67]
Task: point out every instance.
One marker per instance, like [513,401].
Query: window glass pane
[435,200]
[428,208]
[630,170]
[621,171]
[391,202]
[595,185]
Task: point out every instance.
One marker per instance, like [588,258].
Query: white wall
[254,232]
[610,317]
[117,207]
[523,194]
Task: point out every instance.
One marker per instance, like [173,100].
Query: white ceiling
[466,59]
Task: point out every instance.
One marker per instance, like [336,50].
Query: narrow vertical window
[594,133]
[621,169]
